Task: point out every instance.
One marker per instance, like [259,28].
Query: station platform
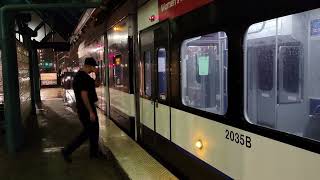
[134,161]
[55,126]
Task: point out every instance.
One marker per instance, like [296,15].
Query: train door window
[119,56]
[289,62]
[265,68]
[162,77]
[282,74]
[118,71]
[203,72]
[148,73]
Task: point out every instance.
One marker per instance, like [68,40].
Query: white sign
[48,76]
[161,64]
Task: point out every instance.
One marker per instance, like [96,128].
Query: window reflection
[118,55]
[148,73]
[203,72]
[162,76]
[283,76]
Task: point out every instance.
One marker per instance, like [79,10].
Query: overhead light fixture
[117,28]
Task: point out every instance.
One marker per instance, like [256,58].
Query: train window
[162,76]
[282,74]
[265,68]
[118,56]
[148,73]
[118,71]
[203,72]
[289,57]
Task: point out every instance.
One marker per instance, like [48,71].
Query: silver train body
[217,89]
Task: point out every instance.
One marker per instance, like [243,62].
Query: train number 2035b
[238,138]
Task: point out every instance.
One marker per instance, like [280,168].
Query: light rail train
[216,89]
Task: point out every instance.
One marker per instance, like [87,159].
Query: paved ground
[41,159]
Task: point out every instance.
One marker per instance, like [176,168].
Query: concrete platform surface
[134,160]
[55,126]
[40,159]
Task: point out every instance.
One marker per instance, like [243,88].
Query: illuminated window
[162,74]
[119,57]
[148,73]
[203,72]
[282,74]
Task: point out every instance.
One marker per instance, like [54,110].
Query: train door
[263,87]
[154,101]
[147,79]
[161,73]
[266,91]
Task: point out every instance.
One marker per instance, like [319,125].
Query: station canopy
[61,21]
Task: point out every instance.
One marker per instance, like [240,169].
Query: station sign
[174,8]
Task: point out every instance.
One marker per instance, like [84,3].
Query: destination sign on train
[174,8]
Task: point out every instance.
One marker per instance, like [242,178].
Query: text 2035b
[238,138]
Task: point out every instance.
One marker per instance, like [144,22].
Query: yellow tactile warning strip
[133,159]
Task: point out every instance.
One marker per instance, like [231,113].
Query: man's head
[90,64]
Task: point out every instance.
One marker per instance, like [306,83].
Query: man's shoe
[66,157]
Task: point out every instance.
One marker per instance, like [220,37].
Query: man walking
[86,96]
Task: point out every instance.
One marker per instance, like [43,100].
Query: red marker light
[152,18]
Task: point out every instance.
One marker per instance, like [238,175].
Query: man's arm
[85,99]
